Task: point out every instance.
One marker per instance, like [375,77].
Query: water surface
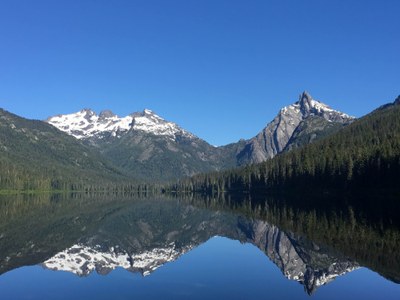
[80,247]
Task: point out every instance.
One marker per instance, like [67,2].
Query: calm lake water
[110,247]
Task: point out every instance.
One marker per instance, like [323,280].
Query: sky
[221,69]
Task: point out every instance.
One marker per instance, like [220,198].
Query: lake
[125,247]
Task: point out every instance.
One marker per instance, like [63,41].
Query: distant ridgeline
[362,155]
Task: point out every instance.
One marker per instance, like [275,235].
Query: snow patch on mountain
[308,106]
[83,260]
[325,277]
[148,121]
[87,124]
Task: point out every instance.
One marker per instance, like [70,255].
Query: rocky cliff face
[299,259]
[275,137]
[310,130]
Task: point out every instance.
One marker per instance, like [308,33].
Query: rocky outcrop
[275,137]
[311,130]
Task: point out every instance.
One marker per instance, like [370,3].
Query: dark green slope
[364,154]
[36,155]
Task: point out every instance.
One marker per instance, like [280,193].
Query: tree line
[365,154]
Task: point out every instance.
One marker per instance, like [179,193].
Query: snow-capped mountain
[142,144]
[274,138]
[83,260]
[147,146]
[87,124]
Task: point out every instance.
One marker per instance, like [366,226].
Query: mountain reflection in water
[82,234]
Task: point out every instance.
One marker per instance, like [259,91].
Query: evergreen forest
[363,155]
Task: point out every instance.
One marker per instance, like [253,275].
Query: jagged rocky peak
[305,96]
[306,102]
[308,106]
[275,137]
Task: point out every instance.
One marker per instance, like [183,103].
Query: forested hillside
[365,154]
[36,156]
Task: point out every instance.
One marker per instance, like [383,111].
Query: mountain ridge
[86,124]
[146,145]
[307,105]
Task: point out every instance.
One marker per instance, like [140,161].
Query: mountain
[282,131]
[147,146]
[36,155]
[144,144]
[365,155]
[87,125]
[96,148]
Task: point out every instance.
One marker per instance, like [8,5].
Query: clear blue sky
[220,69]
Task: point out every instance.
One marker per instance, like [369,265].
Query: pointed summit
[311,107]
[274,138]
[306,102]
[305,96]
